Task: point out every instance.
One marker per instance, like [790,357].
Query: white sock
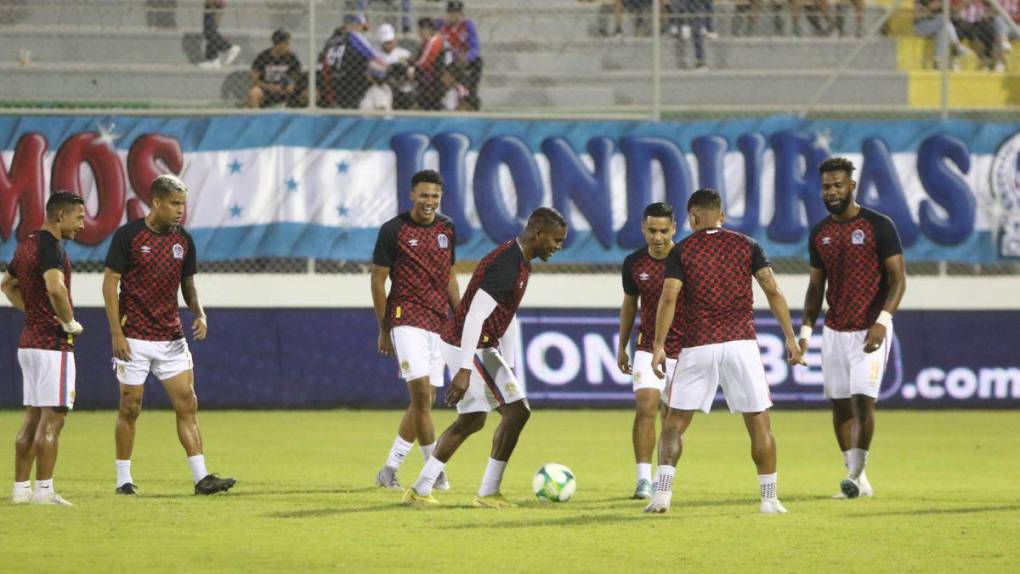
[846,459]
[25,485]
[856,461]
[492,478]
[398,452]
[664,478]
[197,464]
[43,486]
[433,466]
[426,450]
[644,471]
[123,472]
[767,482]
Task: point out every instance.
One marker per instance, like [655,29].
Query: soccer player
[642,280]
[149,260]
[415,250]
[857,263]
[479,349]
[38,283]
[713,268]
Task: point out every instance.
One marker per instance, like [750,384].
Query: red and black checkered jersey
[34,256]
[642,277]
[503,274]
[852,254]
[151,267]
[716,266]
[419,258]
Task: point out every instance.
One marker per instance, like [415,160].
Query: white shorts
[164,359]
[418,354]
[48,377]
[846,369]
[734,365]
[493,383]
[642,375]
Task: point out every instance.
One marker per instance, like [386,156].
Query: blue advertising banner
[302,186]
[317,358]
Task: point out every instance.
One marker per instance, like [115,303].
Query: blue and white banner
[304,186]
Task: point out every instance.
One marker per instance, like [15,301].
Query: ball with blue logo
[554,483]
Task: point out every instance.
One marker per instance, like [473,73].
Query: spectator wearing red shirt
[429,64]
[461,35]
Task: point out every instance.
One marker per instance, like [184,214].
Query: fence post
[312,63]
[656,61]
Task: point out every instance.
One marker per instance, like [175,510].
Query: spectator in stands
[744,24]
[456,96]
[974,23]
[428,67]
[462,38]
[345,61]
[835,21]
[1004,32]
[276,76]
[214,42]
[396,59]
[695,23]
[928,23]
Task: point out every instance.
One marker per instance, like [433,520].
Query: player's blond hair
[166,184]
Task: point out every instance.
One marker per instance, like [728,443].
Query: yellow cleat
[493,501]
[412,498]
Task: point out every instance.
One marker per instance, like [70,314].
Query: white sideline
[545,290]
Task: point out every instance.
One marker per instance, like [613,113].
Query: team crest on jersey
[857,237]
[1005,189]
[443,240]
[178,250]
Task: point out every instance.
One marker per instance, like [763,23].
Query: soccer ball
[554,482]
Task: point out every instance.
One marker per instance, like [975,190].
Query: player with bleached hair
[149,260]
[480,351]
[857,263]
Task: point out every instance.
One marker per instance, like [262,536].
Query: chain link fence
[647,59]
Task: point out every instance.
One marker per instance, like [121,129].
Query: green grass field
[947,499]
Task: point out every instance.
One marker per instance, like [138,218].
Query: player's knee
[23,442]
[187,406]
[470,424]
[129,410]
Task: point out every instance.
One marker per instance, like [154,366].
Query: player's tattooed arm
[9,285]
[628,311]
[111,298]
[199,326]
[663,319]
[378,285]
[781,311]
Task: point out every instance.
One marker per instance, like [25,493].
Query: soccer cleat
[212,484]
[21,496]
[850,487]
[660,503]
[493,501]
[127,488]
[231,55]
[412,498]
[772,506]
[643,490]
[50,499]
[866,489]
[442,483]
[387,478]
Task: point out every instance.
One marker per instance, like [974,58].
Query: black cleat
[212,484]
[127,488]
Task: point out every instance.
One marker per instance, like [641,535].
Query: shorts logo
[637,377]
[857,237]
[511,389]
[443,240]
[405,367]
[178,250]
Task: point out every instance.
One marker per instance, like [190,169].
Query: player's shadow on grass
[272,492]
[927,511]
[324,512]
